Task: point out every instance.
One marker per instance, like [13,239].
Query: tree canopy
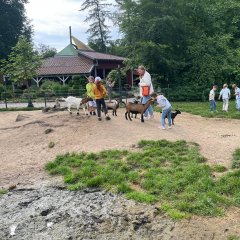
[13,23]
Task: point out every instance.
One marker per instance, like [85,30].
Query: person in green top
[90,87]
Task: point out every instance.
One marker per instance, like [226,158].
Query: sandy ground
[24,148]
[24,145]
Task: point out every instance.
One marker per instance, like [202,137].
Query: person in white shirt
[146,89]
[166,107]
[237,94]
[225,95]
[212,102]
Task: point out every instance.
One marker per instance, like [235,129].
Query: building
[79,59]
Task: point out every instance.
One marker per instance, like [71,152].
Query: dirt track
[24,151]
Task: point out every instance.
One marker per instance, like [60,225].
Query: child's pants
[167,113]
[238,104]
[225,104]
[101,102]
[213,105]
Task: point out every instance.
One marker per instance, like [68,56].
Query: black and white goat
[173,115]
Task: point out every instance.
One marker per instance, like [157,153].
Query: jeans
[167,113]
[101,102]
[225,104]
[238,104]
[213,105]
[149,110]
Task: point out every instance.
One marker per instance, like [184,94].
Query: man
[225,95]
[146,89]
[212,102]
[237,94]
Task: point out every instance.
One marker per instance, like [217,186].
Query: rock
[48,130]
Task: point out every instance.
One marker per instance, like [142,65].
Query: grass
[236,159]
[203,109]
[19,109]
[3,191]
[171,175]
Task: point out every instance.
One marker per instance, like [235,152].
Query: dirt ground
[24,147]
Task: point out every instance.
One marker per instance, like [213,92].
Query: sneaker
[108,118]
[169,127]
[146,118]
[99,119]
[163,128]
[151,117]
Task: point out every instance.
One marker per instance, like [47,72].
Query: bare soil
[24,149]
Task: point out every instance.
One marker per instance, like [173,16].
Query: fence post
[5,98]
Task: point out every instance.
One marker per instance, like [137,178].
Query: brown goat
[137,108]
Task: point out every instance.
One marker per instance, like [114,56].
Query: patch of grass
[236,159]
[19,109]
[218,168]
[3,191]
[51,145]
[233,237]
[203,109]
[159,172]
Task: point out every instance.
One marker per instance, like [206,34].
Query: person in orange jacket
[100,93]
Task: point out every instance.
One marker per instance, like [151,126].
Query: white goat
[76,102]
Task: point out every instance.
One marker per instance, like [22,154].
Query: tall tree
[13,23]
[46,51]
[98,29]
[22,62]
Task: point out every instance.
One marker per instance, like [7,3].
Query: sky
[51,20]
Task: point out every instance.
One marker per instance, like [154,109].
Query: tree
[22,62]
[46,51]
[13,24]
[98,29]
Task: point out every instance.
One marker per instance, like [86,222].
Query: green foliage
[190,43]
[3,191]
[45,51]
[218,168]
[170,174]
[236,159]
[13,24]
[22,63]
[98,29]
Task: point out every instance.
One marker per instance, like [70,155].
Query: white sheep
[76,102]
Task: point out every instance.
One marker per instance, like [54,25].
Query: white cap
[98,79]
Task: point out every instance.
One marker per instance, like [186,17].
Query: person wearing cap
[100,93]
[237,94]
[146,89]
[225,95]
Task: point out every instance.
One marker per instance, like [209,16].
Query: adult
[225,95]
[237,94]
[109,86]
[212,102]
[146,89]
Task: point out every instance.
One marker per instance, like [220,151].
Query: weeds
[236,159]
[172,175]
[3,191]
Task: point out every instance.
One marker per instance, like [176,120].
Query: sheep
[137,108]
[77,102]
[114,105]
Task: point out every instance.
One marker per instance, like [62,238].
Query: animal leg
[142,119]
[172,121]
[126,115]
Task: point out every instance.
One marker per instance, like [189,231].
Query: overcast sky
[51,20]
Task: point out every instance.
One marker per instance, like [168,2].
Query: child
[110,86]
[237,94]
[90,87]
[212,102]
[99,93]
[225,94]
[166,107]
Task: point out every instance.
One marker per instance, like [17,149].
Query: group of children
[225,94]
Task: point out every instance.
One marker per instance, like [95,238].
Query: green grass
[218,168]
[2,192]
[236,159]
[203,109]
[19,109]
[172,175]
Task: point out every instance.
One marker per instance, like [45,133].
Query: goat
[77,102]
[137,108]
[173,115]
[136,101]
[114,105]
